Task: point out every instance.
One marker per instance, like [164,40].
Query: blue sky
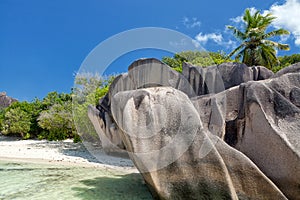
[43,43]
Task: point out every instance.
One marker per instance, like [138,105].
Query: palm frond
[247,16]
[276,45]
[237,33]
[277,32]
[238,56]
[256,49]
[248,19]
[269,56]
[246,56]
[235,50]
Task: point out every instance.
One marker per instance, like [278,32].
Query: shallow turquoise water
[42,181]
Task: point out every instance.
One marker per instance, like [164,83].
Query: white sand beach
[61,153]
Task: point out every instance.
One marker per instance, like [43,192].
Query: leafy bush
[2,117]
[17,122]
[199,58]
[286,61]
[49,119]
[89,89]
[58,121]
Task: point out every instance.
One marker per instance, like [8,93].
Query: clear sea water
[53,182]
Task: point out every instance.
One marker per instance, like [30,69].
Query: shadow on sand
[4,138]
[129,186]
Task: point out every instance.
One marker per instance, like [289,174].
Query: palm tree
[256,48]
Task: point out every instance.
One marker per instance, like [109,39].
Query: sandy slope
[62,152]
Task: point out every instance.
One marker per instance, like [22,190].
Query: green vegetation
[205,59]
[256,48]
[89,89]
[52,117]
[2,117]
[17,121]
[286,61]
[289,60]
[198,58]
[29,119]
[58,122]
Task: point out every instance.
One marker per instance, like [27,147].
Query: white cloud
[287,17]
[229,44]
[214,37]
[203,38]
[191,23]
[297,40]
[237,19]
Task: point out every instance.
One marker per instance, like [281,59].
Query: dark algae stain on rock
[231,132]
[283,107]
[204,191]
[295,96]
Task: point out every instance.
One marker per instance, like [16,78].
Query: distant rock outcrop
[5,101]
[221,132]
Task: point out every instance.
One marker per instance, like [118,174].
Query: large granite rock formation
[163,133]
[142,74]
[218,78]
[262,122]
[5,100]
[216,133]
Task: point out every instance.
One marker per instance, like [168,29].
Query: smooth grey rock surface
[243,132]
[261,120]
[177,157]
[295,68]
[215,79]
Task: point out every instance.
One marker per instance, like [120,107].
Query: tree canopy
[54,116]
[256,48]
[40,119]
[199,58]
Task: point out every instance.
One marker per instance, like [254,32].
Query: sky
[43,43]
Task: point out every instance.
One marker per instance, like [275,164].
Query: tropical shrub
[88,90]
[199,58]
[17,122]
[58,121]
